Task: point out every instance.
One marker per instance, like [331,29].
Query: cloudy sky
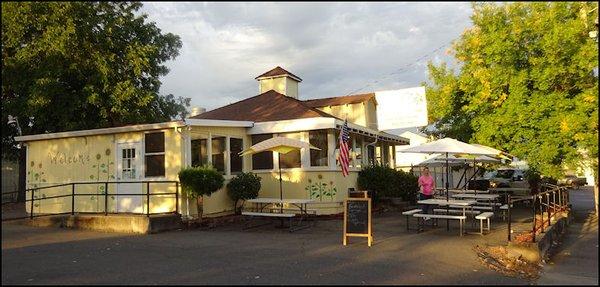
[336,48]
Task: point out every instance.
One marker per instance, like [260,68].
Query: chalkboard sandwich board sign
[357,219]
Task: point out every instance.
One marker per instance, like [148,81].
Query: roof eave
[102,131]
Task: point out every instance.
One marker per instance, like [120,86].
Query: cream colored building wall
[291,87]
[219,202]
[355,113]
[282,85]
[276,84]
[328,189]
[371,114]
[93,159]
[364,114]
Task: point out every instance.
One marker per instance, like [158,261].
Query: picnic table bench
[261,203]
[408,213]
[482,217]
[422,216]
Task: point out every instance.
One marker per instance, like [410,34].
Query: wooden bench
[409,213]
[460,218]
[282,216]
[482,217]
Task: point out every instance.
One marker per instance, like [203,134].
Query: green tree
[83,65]
[525,83]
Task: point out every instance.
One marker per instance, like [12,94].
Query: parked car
[572,181]
[507,177]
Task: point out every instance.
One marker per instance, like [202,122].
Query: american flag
[344,152]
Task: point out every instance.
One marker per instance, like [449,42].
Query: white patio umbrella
[279,145]
[454,160]
[499,153]
[448,146]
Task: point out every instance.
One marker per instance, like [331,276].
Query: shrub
[384,181]
[199,181]
[242,187]
[534,179]
[407,185]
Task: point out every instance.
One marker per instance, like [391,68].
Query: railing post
[148,199]
[508,215]
[72,199]
[549,210]
[542,213]
[105,198]
[534,221]
[31,213]
[559,199]
[176,197]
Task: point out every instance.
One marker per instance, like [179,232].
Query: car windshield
[489,174]
[506,173]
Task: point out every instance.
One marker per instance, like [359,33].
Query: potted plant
[242,187]
[199,181]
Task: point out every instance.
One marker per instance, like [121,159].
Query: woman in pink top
[426,187]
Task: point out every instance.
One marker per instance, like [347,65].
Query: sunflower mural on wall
[319,189]
[102,172]
[35,178]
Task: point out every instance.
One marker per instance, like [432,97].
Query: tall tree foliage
[525,84]
[83,65]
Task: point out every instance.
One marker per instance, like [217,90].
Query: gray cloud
[335,48]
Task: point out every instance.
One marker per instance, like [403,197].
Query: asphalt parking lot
[266,255]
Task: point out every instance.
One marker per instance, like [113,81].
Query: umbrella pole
[447,195]
[280,182]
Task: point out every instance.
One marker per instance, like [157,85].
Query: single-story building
[124,159]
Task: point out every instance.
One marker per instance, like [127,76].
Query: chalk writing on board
[357,217]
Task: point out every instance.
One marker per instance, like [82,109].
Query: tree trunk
[199,206]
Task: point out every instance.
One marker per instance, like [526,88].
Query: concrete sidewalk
[575,262]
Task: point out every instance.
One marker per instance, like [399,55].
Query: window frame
[326,150]
[230,157]
[270,152]
[163,153]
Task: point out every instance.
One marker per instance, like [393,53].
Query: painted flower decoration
[32,164]
[40,165]
[320,176]
[98,156]
[309,180]
[107,152]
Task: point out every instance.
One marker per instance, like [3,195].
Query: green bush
[384,181]
[199,181]
[407,186]
[534,178]
[242,187]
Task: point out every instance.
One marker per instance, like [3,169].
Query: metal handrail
[542,202]
[33,198]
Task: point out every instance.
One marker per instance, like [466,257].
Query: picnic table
[491,199]
[465,204]
[261,203]
[470,191]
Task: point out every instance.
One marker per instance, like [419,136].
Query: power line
[402,69]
